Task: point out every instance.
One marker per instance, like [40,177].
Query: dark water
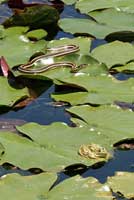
[43,111]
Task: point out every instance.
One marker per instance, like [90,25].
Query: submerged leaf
[35,17]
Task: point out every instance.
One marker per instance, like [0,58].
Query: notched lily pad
[114,53]
[34,187]
[96,90]
[117,124]
[122,183]
[83,188]
[80,57]
[86,6]
[10,95]
[22,47]
[128,68]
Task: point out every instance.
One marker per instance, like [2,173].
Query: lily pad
[46,151]
[114,53]
[69,2]
[37,34]
[22,47]
[80,57]
[114,123]
[83,188]
[128,68]
[84,43]
[122,183]
[90,27]
[98,90]
[26,187]
[64,153]
[86,6]
[10,95]
[114,18]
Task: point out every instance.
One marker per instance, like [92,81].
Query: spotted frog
[93,151]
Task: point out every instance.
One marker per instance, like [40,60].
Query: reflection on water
[41,110]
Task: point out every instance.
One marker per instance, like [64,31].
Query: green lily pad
[114,18]
[86,6]
[98,90]
[46,150]
[114,53]
[80,57]
[1,31]
[37,34]
[84,43]
[122,182]
[69,2]
[79,188]
[90,67]
[128,68]
[2,1]
[15,186]
[22,48]
[64,153]
[91,27]
[10,95]
[114,123]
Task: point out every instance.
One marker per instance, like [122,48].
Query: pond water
[43,111]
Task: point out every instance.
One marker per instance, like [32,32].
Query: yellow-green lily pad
[14,186]
[122,183]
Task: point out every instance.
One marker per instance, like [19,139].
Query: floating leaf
[37,34]
[114,53]
[35,187]
[10,95]
[114,17]
[128,68]
[66,152]
[80,57]
[84,43]
[86,6]
[83,188]
[69,2]
[73,25]
[22,47]
[98,90]
[122,183]
[114,123]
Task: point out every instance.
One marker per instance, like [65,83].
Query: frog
[93,151]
